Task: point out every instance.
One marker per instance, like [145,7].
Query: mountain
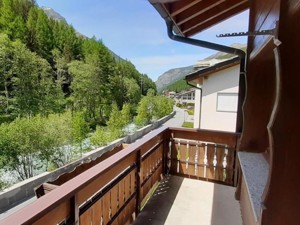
[51,13]
[223,55]
[171,76]
[54,15]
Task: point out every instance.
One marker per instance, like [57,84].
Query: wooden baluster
[178,156]
[169,155]
[187,156]
[215,161]
[196,159]
[205,160]
[225,163]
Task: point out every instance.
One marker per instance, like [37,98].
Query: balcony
[159,179]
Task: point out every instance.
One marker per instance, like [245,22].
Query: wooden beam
[226,8]
[206,23]
[180,6]
[195,11]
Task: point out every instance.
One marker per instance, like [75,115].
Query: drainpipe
[221,48]
[199,88]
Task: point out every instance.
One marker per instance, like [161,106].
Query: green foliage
[80,129]
[118,120]
[178,86]
[190,111]
[144,111]
[152,108]
[49,73]
[103,136]
[188,124]
[163,106]
[29,145]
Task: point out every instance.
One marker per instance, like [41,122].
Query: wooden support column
[138,183]
[74,217]
[281,198]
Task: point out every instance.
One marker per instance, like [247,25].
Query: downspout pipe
[221,48]
[199,88]
[204,44]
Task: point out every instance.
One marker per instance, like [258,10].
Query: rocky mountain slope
[173,75]
[54,15]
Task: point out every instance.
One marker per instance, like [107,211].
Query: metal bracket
[272,32]
[255,33]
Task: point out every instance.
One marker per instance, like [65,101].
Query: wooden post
[138,182]
[74,211]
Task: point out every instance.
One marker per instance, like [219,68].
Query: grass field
[188,124]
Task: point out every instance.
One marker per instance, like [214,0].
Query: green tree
[6,74]
[44,36]
[162,107]
[145,111]
[80,129]
[20,145]
[34,92]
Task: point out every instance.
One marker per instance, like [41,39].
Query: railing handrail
[206,135]
[65,192]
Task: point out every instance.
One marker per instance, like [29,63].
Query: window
[227,102]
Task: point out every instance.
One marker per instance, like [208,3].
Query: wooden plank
[129,211]
[200,8]
[210,173]
[97,212]
[220,159]
[121,193]
[220,137]
[201,161]
[86,217]
[133,181]
[93,187]
[114,199]
[180,6]
[56,215]
[106,207]
[192,155]
[224,9]
[127,187]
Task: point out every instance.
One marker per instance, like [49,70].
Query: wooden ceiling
[193,16]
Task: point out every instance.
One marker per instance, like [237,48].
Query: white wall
[224,81]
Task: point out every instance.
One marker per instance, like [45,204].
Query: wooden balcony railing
[203,154]
[112,191]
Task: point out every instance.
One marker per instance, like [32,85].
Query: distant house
[185,97]
[169,94]
[216,97]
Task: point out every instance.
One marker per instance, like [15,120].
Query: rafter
[198,9]
[180,6]
[225,9]
[212,21]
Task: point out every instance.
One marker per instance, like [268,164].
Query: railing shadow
[158,207]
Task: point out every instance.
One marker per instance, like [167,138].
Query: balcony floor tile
[184,201]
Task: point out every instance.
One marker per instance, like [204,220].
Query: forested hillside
[57,88]
[46,68]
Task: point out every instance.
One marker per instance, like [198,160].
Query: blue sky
[135,31]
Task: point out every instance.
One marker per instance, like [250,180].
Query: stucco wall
[224,81]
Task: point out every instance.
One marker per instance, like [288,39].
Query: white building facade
[216,98]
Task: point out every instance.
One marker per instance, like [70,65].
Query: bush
[153,108]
